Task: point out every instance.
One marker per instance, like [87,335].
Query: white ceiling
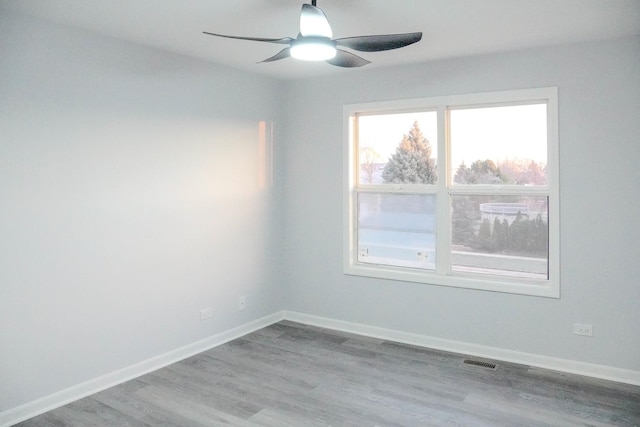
[451,28]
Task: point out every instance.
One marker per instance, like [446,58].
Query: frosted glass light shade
[314,23]
[313,49]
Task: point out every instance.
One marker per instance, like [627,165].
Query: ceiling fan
[315,43]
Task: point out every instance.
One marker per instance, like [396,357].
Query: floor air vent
[479,363]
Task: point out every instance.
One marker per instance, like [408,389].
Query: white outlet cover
[583,329]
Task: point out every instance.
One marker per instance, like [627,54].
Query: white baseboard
[563,365]
[60,398]
[55,400]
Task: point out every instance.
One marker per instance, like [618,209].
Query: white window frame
[443,275]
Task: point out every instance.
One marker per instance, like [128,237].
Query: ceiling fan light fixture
[313,48]
[315,41]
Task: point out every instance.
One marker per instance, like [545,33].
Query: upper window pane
[499,145]
[397,148]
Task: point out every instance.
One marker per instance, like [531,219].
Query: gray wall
[130,200]
[599,93]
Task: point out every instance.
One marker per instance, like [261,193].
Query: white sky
[514,132]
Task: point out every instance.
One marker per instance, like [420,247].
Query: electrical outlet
[206,313]
[241,303]
[583,329]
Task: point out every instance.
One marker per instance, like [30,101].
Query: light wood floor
[295,375]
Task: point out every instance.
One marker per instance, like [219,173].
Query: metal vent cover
[479,363]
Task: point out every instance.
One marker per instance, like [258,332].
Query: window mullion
[443,234]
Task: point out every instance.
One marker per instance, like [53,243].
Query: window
[456,191]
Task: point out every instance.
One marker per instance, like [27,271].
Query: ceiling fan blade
[284,40]
[377,43]
[313,22]
[284,53]
[347,59]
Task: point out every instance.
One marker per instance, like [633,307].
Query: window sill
[539,288]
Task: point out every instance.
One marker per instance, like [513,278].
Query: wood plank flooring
[290,374]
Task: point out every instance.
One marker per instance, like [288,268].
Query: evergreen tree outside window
[412,162]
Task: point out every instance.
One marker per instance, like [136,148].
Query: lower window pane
[397,229]
[500,235]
